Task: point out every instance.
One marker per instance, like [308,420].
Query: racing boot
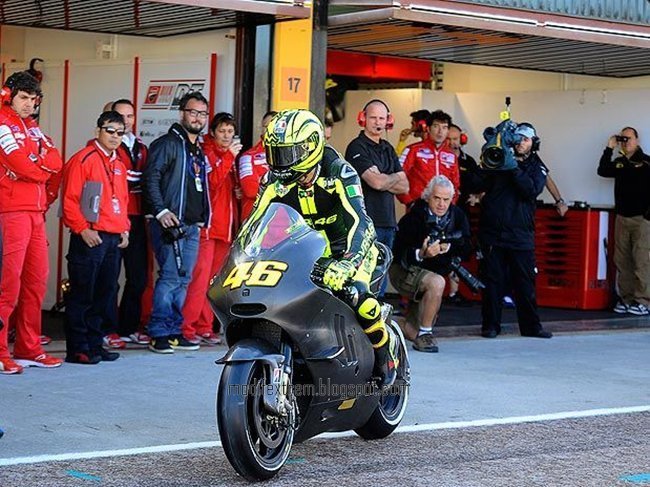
[386,360]
[385,343]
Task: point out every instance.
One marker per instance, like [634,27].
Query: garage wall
[574,126]
[465,78]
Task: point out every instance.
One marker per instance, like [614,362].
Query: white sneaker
[638,309]
[621,307]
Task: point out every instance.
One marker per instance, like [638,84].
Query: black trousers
[135,269]
[93,274]
[497,265]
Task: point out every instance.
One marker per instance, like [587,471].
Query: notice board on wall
[162,85]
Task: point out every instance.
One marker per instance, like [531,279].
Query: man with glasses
[94,201]
[176,194]
[631,173]
[28,160]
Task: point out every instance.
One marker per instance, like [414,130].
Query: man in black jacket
[176,194]
[422,257]
[507,237]
[631,171]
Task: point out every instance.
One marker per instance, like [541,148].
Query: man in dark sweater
[422,258]
[631,173]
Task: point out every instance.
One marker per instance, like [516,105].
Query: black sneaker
[84,358]
[106,356]
[540,334]
[179,342]
[160,345]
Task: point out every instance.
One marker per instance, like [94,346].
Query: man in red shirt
[214,244]
[432,157]
[251,167]
[95,200]
[27,160]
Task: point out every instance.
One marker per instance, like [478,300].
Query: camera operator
[631,173]
[507,232]
[429,237]
[176,193]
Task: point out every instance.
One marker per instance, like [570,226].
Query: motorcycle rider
[327,193]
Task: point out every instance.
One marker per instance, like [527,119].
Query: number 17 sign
[295,86]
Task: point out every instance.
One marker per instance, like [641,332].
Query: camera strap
[178,258]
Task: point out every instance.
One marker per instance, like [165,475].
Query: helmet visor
[281,157]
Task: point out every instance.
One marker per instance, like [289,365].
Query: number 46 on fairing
[263,273]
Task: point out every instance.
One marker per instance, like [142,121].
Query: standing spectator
[418,128]
[177,194]
[381,174]
[468,169]
[421,262]
[28,160]
[251,167]
[221,150]
[507,238]
[95,243]
[133,153]
[424,160]
[631,173]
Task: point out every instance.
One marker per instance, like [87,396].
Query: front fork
[276,395]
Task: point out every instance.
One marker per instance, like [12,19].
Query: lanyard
[111,177]
[194,167]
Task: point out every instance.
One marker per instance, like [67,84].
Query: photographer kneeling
[431,238]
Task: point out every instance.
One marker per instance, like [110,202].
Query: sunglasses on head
[113,131]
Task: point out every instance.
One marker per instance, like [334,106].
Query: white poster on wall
[160,105]
[162,84]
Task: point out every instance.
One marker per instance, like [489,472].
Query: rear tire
[393,402]
[256,443]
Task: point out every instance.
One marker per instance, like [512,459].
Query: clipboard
[91,196]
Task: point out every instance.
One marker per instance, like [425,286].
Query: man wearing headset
[327,192]
[507,236]
[382,176]
[27,160]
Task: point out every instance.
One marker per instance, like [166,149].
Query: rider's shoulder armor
[338,168]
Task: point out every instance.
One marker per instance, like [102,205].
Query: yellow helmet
[294,141]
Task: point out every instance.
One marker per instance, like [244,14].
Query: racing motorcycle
[298,364]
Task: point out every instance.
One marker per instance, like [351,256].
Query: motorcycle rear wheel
[256,443]
[393,402]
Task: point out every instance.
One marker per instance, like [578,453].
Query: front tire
[393,402]
[256,443]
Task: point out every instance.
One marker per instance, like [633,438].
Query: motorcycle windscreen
[278,224]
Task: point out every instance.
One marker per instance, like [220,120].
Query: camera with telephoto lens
[172,234]
[498,152]
[468,278]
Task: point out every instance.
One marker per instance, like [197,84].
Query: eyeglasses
[196,113]
[113,131]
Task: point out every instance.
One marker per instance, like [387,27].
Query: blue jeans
[171,287]
[385,235]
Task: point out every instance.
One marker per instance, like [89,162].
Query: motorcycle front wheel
[256,443]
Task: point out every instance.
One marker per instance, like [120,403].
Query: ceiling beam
[290,9]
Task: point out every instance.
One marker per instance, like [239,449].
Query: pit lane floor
[145,400]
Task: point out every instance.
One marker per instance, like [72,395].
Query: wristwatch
[560,202]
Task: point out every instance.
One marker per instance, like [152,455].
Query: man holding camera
[631,173]
[507,228]
[177,195]
[429,238]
